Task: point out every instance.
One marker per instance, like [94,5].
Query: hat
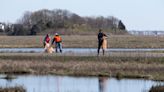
[56,34]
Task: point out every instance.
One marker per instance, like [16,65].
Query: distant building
[151,33]
[2,27]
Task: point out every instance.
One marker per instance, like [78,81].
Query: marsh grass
[36,63]
[86,41]
[158,88]
[12,89]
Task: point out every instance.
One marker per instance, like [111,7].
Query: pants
[58,45]
[100,42]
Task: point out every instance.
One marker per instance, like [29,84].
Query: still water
[52,83]
[79,50]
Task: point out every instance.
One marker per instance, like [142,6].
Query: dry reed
[86,41]
[32,63]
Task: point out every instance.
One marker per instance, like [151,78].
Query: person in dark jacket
[100,40]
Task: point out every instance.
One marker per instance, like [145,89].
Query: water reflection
[78,84]
[103,84]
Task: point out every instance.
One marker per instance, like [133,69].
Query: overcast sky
[135,14]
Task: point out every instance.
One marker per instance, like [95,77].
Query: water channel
[79,50]
[52,83]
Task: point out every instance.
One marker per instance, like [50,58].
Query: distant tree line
[33,23]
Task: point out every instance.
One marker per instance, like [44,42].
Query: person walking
[102,42]
[58,42]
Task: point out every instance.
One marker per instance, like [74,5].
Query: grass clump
[12,89]
[158,88]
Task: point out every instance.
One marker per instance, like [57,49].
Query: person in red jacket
[46,40]
[58,45]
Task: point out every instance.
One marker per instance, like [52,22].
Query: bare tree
[57,19]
